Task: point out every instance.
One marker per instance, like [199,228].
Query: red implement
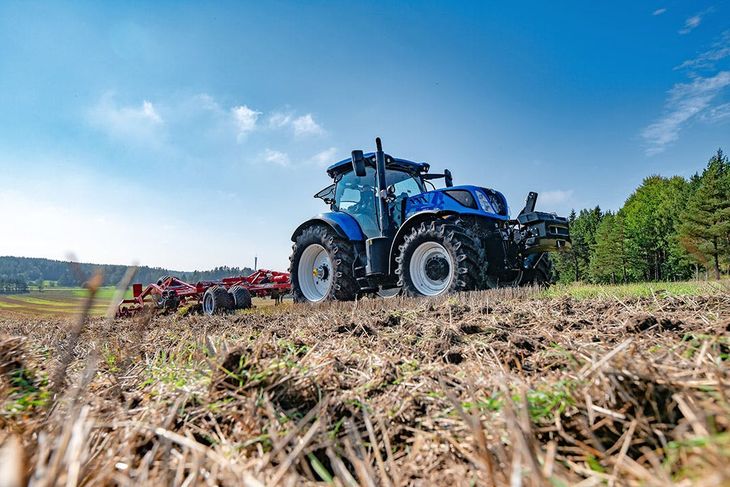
[169,293]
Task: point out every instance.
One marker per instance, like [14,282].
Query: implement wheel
[216,300]
[438,258]
[241,297]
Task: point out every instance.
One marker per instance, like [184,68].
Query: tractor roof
[345,165]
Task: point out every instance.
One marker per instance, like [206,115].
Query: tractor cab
[357,195]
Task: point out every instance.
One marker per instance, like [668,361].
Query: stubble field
[511,387]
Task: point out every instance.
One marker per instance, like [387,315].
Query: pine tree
[583,236]
[705,229]
[608,256]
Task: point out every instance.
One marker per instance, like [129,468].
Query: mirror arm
[446,175]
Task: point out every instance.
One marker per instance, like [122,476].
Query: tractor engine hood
[461,199]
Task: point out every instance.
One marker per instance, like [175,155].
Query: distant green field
[641,289]
[55,301]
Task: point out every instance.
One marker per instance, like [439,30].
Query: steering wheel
[365,205]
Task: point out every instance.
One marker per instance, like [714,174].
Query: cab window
[356,196]
[403,183]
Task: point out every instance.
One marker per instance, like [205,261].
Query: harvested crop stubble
[482,388]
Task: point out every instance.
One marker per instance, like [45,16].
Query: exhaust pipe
[378,248]
[382,189]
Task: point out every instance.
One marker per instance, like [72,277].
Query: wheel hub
[322,272]
[437,268]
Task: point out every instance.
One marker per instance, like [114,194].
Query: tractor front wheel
[321,267]
[216,300]
[541,274]
[437,258]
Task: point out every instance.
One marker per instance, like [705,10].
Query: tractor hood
[461,199]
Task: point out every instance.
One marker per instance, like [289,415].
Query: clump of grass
[26,392]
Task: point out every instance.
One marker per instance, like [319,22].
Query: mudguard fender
[344,225]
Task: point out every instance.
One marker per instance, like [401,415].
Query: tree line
[33,271]
[13,286]
[668,229]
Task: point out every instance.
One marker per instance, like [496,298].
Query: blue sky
[193,134]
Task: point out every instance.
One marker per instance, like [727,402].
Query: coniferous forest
[670,228]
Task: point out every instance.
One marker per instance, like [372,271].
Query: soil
[476,389]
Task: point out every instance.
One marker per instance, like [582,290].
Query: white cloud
[658,11]
[325,157]
[691,23]
[306,125]
[555,197]
[135,123]
[149,112]
[302,125]
[693,100]
[279,119]
[720,50]
[686,100]
[207,102]
[276,157]
[245,119]
[717,114]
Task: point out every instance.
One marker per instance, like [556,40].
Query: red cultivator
[229,293]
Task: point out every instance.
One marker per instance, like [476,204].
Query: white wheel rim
[315,273]
[208,304]
[426,284]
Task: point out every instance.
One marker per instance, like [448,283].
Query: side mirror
[448,179]
[358,163]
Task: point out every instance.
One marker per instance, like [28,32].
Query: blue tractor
[390,230]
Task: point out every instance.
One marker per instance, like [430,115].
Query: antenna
[256,263]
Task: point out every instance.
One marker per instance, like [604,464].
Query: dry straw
[491,388]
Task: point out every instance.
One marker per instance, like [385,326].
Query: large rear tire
[438,258]
[216,300]
[321,267]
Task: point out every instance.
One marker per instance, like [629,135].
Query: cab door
[356,196]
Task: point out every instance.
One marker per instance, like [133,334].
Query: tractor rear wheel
[321,267]
[241,297]
[437,258]
[216,300]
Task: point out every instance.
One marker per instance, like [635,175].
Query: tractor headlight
[484,202]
